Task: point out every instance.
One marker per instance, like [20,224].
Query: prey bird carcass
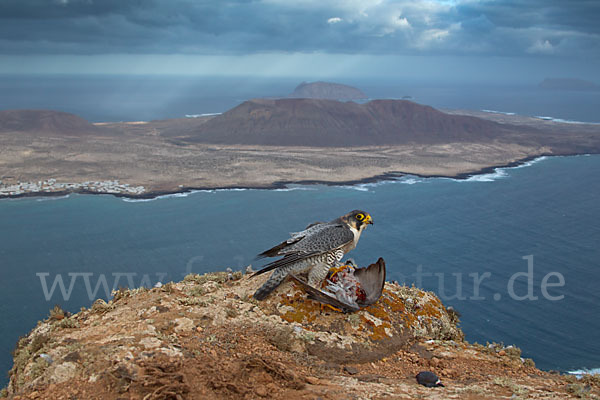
[349,288]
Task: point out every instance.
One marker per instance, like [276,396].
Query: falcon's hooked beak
[368,220]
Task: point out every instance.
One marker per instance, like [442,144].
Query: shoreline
[391,175]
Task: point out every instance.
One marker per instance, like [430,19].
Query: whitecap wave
[498,173]
[292,189]
[130,200]
[379,183]
[52,198]
[580,372]
[366,187]
[529,163]
[172,195]
[229,190]
[410,181]
[182,194]
[164,196]
[201,115]
[499,112]
[564,121]
[360,188]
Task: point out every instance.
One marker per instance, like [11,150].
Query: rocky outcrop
[205,337]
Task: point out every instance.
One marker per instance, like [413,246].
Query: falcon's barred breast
[314,250]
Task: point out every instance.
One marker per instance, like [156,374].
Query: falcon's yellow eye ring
[360,217]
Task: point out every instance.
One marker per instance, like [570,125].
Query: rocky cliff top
[206,337]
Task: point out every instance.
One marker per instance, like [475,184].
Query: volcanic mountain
[327,90]
[312,122]
[46,122]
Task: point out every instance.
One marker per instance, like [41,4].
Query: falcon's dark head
[357,219]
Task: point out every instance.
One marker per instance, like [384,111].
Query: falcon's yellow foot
[333,271]
[329,306]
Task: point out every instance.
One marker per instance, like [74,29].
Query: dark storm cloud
[566,28]
[48,9]
[580,15]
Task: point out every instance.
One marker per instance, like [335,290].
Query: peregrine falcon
[314,250]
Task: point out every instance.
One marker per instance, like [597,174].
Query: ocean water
[135,98]
[441,234]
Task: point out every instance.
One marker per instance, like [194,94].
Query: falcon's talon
[332,307]
[351,263]
[331,274]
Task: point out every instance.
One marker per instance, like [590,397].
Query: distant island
[269,143]
[327,90]
[568,84]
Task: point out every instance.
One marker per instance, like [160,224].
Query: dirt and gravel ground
[205,337]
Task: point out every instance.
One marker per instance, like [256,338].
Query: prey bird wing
[323,297]
[372,281]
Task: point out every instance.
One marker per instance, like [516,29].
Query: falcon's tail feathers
[270,285]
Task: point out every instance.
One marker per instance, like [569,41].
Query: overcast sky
[505,39]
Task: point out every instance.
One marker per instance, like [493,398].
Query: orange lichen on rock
[377,331]
[401,311]
[378,310]
[302,310]
[394,302]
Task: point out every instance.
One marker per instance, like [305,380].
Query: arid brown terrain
[268,143]
[207,338]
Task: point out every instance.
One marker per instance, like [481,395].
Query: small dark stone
[73,357]
[428,379]
[162,309]
[350,370]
